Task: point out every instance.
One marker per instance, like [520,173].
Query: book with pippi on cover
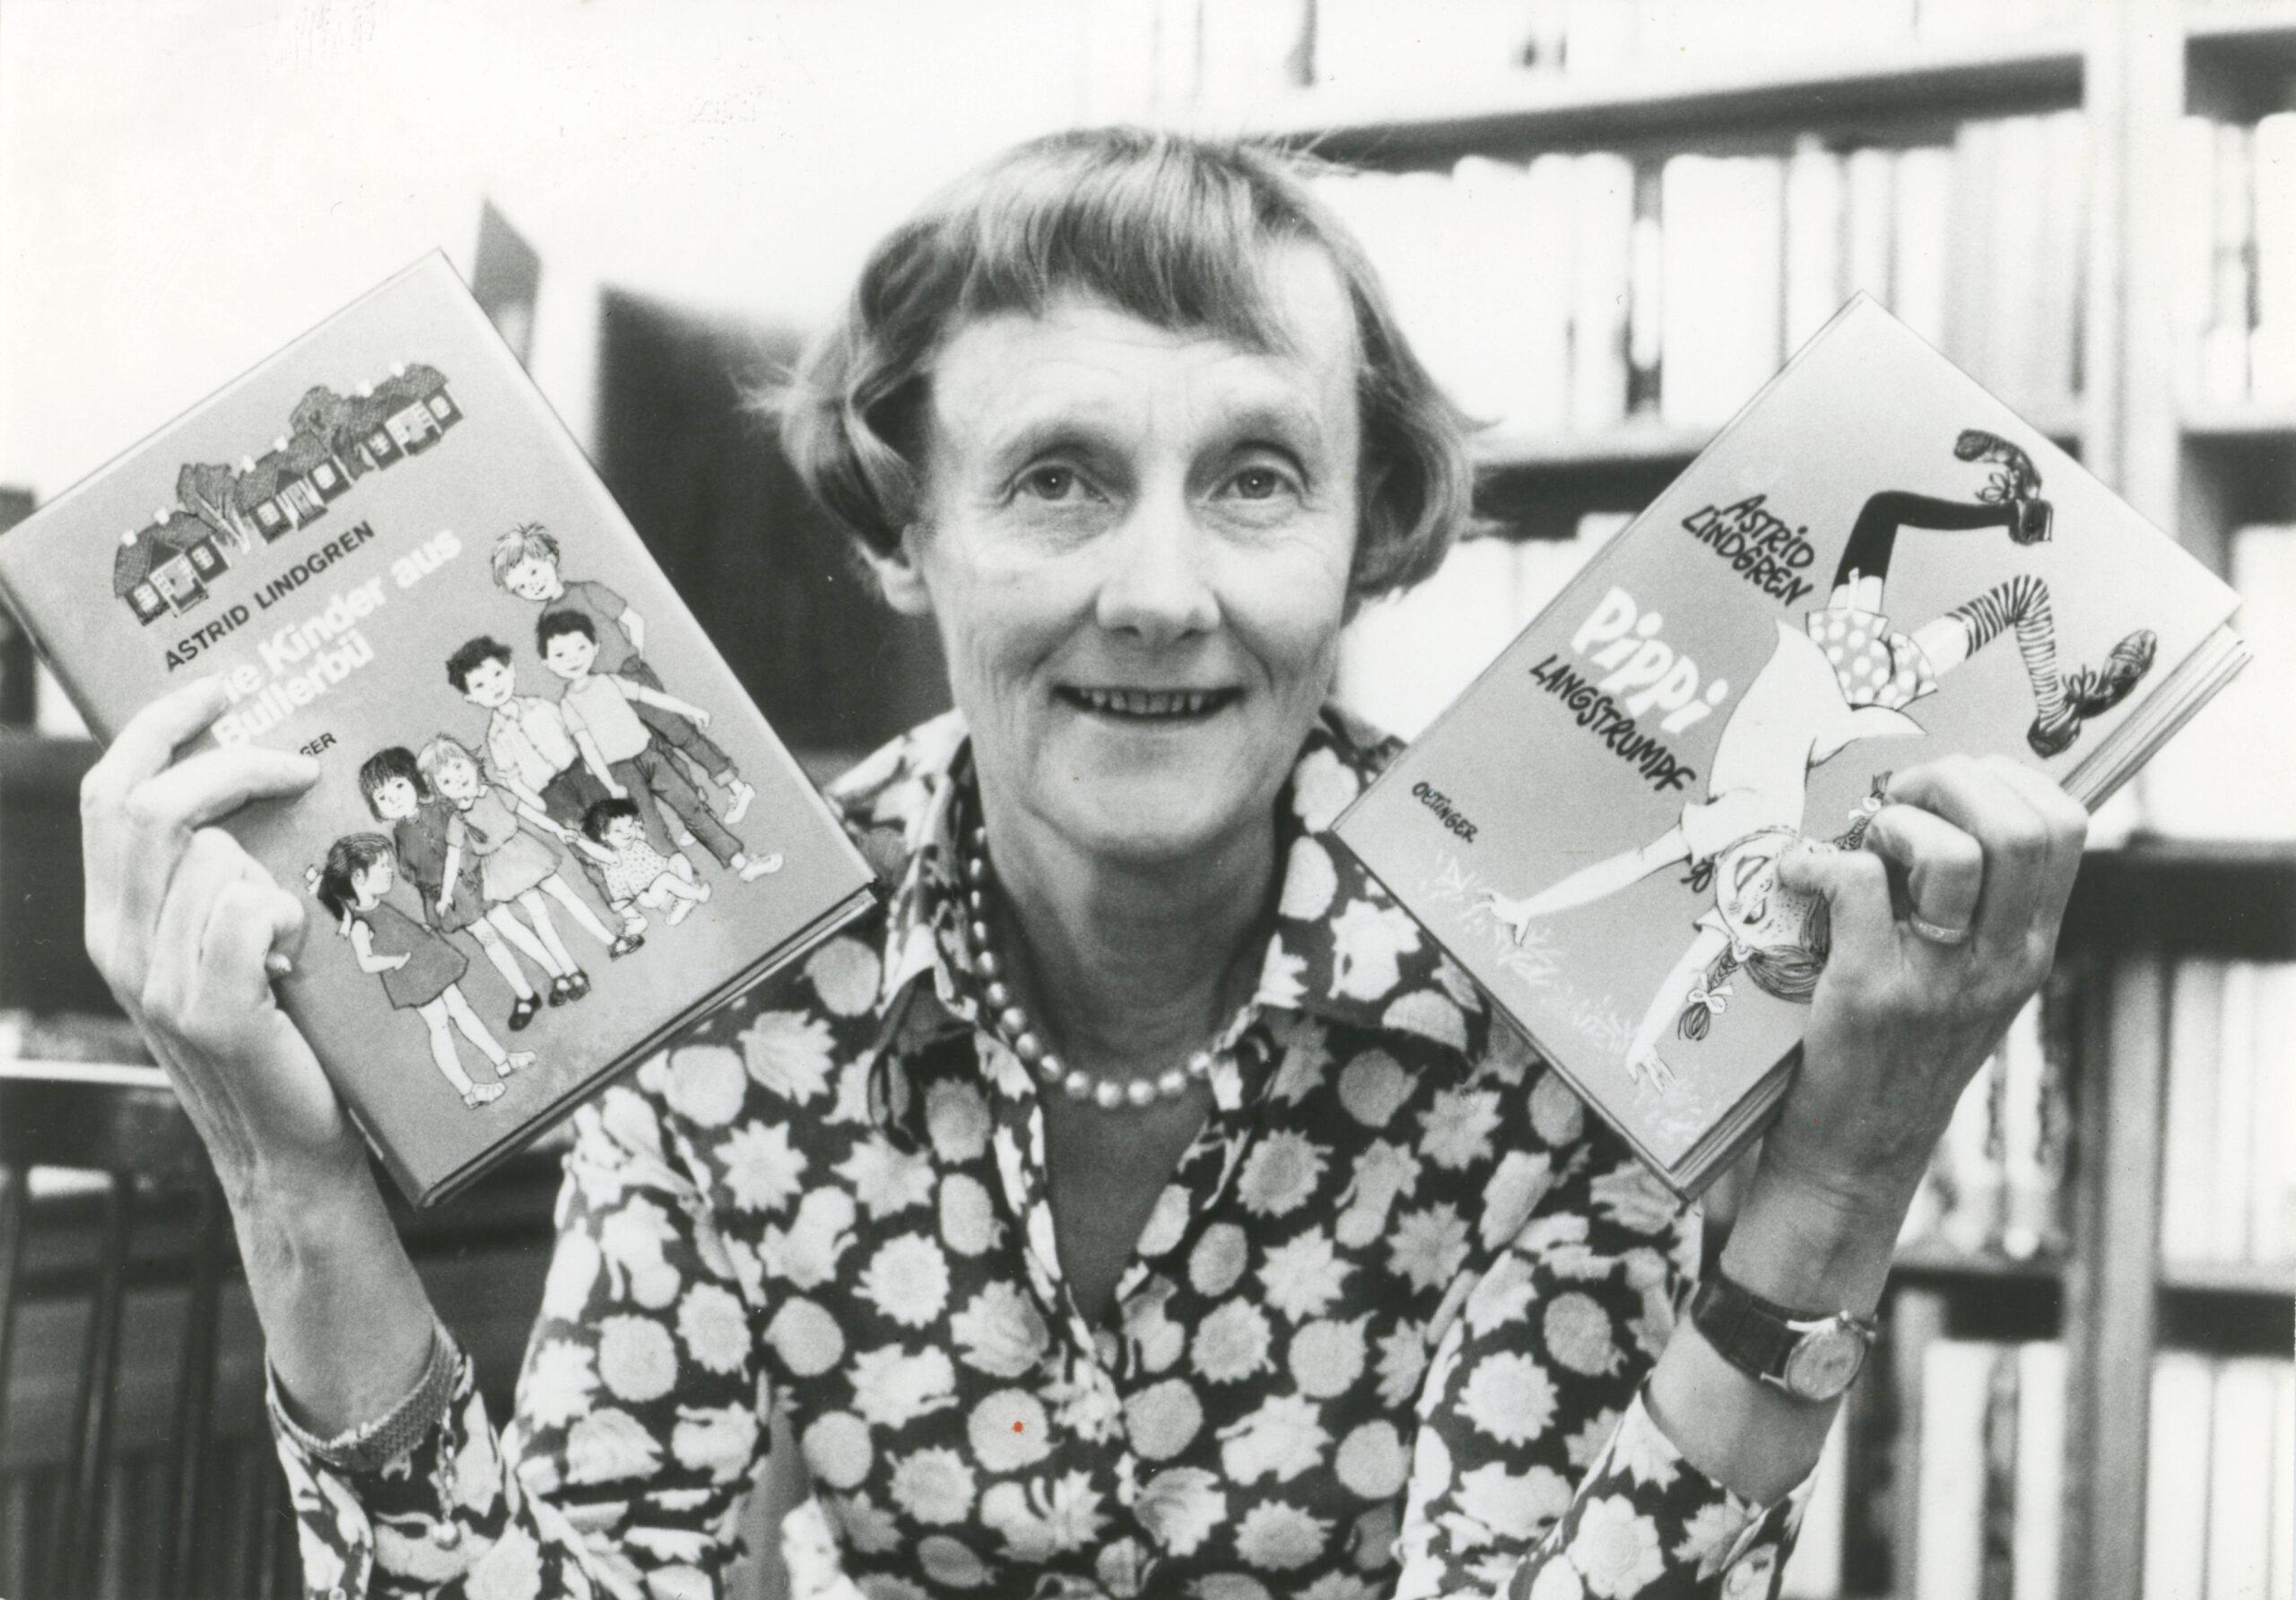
[1876,563]
[550,826]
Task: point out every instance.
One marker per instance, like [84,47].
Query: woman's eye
[1261,482]
[1052,484]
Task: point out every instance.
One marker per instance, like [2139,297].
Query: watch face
[1825,1361]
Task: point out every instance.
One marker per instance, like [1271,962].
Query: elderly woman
[1109,1216]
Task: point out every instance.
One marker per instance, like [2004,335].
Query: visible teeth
[1141,702]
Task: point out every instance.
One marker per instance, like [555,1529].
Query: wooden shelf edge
[2270,1280]
[1648,441]
[1783,92]
[1931,1262]
[2240,23]
[2261,423]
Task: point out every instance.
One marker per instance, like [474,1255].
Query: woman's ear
[901,574]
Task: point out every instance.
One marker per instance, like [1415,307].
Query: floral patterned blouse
[1384,1332]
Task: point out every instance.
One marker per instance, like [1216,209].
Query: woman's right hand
[179,922]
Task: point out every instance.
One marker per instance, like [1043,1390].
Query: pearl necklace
[1015,1028]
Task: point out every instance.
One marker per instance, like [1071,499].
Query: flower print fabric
[1383,1334]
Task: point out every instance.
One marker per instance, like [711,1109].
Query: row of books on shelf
[2220,1511]
[2233,232]
[2228,1153]
[1583,292]
[1356,42]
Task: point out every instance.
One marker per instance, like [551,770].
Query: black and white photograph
[1147,799]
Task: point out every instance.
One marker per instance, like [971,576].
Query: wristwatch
[1812,1357]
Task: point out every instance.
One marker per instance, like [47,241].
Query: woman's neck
[1130,967]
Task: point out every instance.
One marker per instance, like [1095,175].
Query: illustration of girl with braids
[1845,678]
[422,971]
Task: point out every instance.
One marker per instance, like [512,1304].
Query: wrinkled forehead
[1081,355]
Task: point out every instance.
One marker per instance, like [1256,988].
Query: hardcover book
[550,826]
[1875,564]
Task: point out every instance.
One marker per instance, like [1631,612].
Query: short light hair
[435,754]
[530,541]
[1175,231]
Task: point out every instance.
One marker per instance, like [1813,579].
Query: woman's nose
[1158,582]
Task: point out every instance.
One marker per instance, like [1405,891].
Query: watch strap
[1759,1336]
[1752,1333]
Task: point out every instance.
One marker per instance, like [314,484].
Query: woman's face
[1761,913]
[1137,543]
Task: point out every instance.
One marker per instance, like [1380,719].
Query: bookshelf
[2203,466]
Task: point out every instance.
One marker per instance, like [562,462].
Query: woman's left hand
[1906,1014]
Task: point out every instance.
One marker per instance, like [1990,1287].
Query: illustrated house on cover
[365,420]
[341,425]
[166,567]
[276,499]
[421,408]
[311,459]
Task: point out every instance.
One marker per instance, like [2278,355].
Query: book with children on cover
[1875,564]
[550,826]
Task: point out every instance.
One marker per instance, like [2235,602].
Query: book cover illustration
[548,824]
[1876,565]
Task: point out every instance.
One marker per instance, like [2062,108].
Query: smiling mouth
[1156,705]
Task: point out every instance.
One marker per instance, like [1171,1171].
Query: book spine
[1956,1384]
[2271,367]
[2018,279]
[2240,1481]
[1646,293]
[2224,348]
[1605,241]
[1813,237]
[2055,319]
[2272,1190]
[2282,1579]
[1866,219]
[2232,1175]
[2191,245]
[1921,222]
[2175,1478]
[2196,1014]
[1969,253]
[2040,1470]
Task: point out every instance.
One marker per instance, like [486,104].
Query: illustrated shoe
[740,796]
[2099,689]
[524,1012]
[515,1061]
[626,944]
[682,910]
[2023,480]
[563,989]
[577,984]
[2054,735]
[758,866]
[2034,521]
[481,1094]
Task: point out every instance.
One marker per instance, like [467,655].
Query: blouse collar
[1340,950]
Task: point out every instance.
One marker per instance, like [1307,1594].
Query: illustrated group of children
[482,837]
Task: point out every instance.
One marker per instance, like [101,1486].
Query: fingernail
[279,965]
